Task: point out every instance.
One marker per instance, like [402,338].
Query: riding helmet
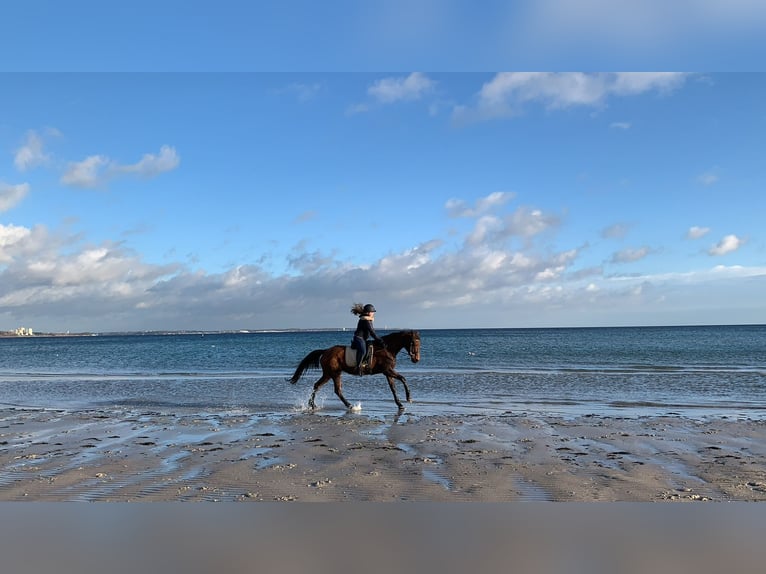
[369,308]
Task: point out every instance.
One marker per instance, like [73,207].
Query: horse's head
[414,348]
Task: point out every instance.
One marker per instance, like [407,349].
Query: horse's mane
[402,333]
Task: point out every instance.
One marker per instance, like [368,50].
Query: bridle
[413,349]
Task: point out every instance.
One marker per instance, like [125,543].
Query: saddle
[366,360]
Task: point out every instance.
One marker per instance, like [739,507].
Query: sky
[391,35]
[231,168]
[448,200]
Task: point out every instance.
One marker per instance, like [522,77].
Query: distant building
[24,332]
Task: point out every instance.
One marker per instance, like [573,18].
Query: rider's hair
[357,309]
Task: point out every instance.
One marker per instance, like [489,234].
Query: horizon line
[12,334]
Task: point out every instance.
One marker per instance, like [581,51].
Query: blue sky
[247,165]
[369,35]
[136,201]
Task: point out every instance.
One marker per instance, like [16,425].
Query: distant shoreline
[12,335]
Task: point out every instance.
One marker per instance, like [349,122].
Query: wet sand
[116,455]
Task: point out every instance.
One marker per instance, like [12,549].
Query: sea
[694,371]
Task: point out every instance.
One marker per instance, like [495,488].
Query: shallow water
[689,371]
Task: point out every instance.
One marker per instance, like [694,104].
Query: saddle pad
[350,357]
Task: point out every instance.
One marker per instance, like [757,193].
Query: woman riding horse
[333,364]
[364,331]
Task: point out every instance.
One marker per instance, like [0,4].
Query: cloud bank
[504,267]
[503,262]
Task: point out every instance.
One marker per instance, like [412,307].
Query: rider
[364,330]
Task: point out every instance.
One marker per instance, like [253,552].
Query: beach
[119,455]
[306,490]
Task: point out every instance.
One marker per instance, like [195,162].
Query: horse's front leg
[390,380]
[404,383]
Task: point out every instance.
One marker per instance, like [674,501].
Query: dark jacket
[365,330]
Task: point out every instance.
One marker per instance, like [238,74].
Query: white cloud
[19,241]
[506,93]
[728,244]
[12,234]
[696,232]
[31,153]
[11,195]
[557,89]
[616,231]
[708,178]
[412,87]
[308,263]
[503,273]
[630,255]
[53,275]
[459,208]
[97,170]
[86,173]
[485,226]
[695,277]
[151,165]
[549,273]
[492,227]
[56,282]
[528,222]
[620,125]
[737,271]
[632,83]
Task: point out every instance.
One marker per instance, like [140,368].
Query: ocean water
[631,371]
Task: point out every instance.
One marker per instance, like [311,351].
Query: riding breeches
[360,345]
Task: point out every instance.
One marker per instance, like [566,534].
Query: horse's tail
[310,361]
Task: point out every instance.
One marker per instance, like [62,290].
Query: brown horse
[333,363]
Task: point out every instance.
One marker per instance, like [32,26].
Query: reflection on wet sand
[120,455]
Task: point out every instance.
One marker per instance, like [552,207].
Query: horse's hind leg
[317,386]
[339,390]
